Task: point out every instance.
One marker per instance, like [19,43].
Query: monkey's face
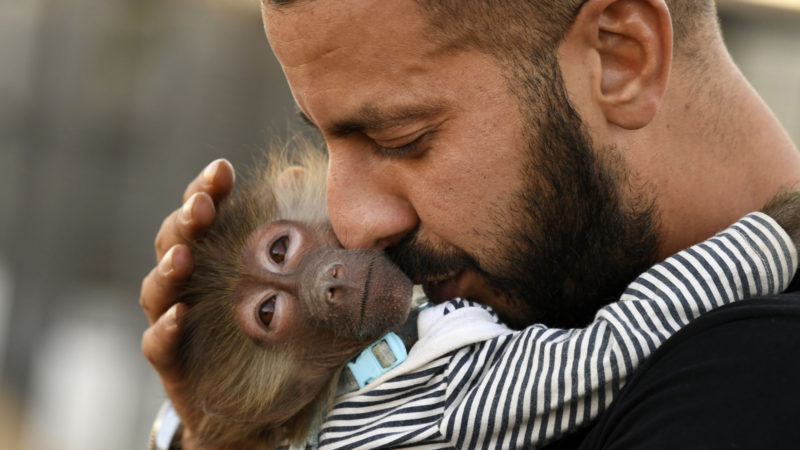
[301,289]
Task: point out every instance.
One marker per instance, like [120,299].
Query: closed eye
[411,149]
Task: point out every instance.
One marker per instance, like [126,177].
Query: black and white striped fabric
[473,383]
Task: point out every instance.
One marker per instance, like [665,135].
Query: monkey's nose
[330,294]
[336,284]
[335,292]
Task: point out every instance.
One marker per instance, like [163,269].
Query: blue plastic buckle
[380,357]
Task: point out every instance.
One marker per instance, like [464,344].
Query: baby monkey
[277,308]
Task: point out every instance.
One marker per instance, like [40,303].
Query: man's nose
[367,205]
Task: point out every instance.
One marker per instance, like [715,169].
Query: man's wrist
[167,429]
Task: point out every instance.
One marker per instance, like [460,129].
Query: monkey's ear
[291,176]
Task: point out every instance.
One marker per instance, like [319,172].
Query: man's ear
[629,48]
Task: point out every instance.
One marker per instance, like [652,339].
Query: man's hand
[161,287]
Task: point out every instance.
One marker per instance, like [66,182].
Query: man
[532,156]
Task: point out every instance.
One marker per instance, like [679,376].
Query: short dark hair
[534,27]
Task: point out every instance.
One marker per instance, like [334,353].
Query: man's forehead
[356,64]
[312,29]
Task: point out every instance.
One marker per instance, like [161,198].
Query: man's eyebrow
[373,118]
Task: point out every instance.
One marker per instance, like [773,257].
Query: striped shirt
[470,382]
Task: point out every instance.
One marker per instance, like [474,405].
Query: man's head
[506,154]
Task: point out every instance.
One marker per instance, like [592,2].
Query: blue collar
[382,355]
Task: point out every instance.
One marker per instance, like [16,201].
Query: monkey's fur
[257,394]
[248,391]
[221,363]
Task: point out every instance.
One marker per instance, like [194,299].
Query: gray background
[107,109]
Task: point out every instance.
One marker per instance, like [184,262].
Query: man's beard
[568,243]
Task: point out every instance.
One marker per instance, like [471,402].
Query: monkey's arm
[161,287]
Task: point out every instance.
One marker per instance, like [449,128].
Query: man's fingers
[216,180]
[185,224]
[160,288]
[192,219]
[160,345]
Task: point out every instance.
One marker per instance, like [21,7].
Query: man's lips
[444,289]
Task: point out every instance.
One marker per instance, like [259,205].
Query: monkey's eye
[277,252]
[266,311]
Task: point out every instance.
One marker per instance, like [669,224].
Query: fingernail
[186,210]
[165,266]
[171,319]
[209,172]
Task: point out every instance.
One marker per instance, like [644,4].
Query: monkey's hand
[161,287]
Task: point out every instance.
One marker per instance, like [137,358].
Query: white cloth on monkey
[471,382]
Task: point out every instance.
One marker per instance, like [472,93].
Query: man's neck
[729,152]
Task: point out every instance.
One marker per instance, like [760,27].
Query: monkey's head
[277,307]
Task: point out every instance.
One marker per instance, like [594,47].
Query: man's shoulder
[786,304]
[744,326]
[729,376]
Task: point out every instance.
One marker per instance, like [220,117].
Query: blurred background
[107,109]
